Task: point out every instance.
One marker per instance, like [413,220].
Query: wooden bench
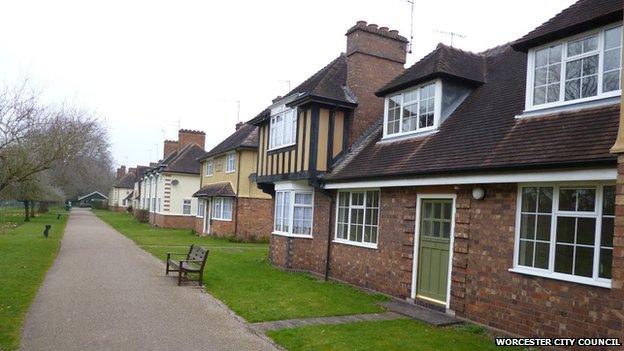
[194,262]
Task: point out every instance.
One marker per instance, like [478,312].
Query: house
[229,201]
[483,186]
[136,191]
[167,188]
[118,197]
[87,200]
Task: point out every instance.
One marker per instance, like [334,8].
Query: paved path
[105,293]
[294,323]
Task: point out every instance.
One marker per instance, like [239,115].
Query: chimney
[187,137]
[132,170]
[169,146]
[374,57]
[239,125]
[121,171]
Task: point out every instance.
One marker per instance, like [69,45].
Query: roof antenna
[453,35]
[287,82]
[237,111]
[411,42]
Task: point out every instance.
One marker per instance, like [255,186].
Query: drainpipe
[329,237]
[238,173]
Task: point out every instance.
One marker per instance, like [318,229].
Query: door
[207,212]
[436,223]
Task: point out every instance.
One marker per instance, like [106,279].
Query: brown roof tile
[217,189]
[245,137]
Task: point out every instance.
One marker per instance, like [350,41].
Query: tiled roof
[140,170]
[583,15]
[483,133]
[217,189]
[328,83]
[245,137]
[184,160]
[129,197]
[444,61]
[127,181]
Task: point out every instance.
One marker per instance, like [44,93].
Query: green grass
[241,276]
[400,334]
[25,257]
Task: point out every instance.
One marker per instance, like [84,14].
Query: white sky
[144,65]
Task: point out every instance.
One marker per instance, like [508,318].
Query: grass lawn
[400,334]
[25,256]
[241,276]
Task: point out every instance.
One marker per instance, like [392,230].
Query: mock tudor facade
[480,184]
[167,188]
[229,201]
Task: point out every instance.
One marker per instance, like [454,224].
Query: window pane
[586,231]
[539,95]
[554,54]
[554,73]
[446,230]
[545,200]
[573,89]
[543,227]
[525,256]
[613,38]
[565,229]
[428,210]
[564,255]
[567,200]
[529,199]
[611,60]
[611,81]
[608,202]
[541,74]
[542,253]
[527,226]
[606,238]
[606,262]
[584,262]
[343,199]
[303,199]
[541,58]
[575,48]
[372,199]
[447,212]
[552,93]
[573,69]
[589,86]
[586,199]
[410,96]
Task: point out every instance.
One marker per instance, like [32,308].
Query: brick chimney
[239,125]
[121,171]
[132,170]
[374,57]
[187,136]
[169,146]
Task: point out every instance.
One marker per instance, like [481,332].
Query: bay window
[293,213]
[566,232]
[357,220]
[283,128]
[583,68]
[412,110]
[222,208]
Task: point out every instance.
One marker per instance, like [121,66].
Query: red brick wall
[222,228]
[255,218]
[482,288]
[170,221]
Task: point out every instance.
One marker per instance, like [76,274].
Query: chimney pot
[383,29]
[361,23]
[239,125]
[373,26]
[394,32]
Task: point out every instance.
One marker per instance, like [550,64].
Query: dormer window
[582,68]
[283,128]
[413,110]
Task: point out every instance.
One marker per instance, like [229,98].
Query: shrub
[142,216]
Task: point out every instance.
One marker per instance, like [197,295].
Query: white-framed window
[186,206]
[124,203]
[200,208]
[357,220]
[293,213]
[566,232]
[153,204]
[159,208]
[283,128]
[209,167]
[222,208]
[230,164]
[581,68]
[413,110]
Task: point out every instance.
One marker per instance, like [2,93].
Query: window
[124,203]
[230,164]
[358,217]
[153,204]
[209,168]
[411,111]
[158,205]
[222,208]
[283,128]
[293,213]
[566,232]
[186,207]
[200,208]
[579,69]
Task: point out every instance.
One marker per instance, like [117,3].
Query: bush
[99,204]
[142,216]
[129,209]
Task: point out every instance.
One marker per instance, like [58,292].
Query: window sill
[230,171]
[603,283]
[221,219]
[354,243]
[281,147]
[409,135]
[301,236]
[544,110]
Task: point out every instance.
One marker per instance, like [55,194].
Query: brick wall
[255,218]
[222,228]
[482,288]
[170,221]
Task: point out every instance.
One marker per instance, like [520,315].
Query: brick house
[480,184]
[229,202]
[167,188]
[122,189]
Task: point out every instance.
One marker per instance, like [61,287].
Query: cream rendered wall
[188,184]
[247,163]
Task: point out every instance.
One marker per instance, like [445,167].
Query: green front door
[433,248]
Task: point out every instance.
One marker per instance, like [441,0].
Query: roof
[329,83]
[245,137]
[93,193]
[216,189]
[444,61]
[582,16]
[184,160]
[129,197]
[483,133]
[140,170]
[127,181]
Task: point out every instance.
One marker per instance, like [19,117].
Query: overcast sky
[145,66]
